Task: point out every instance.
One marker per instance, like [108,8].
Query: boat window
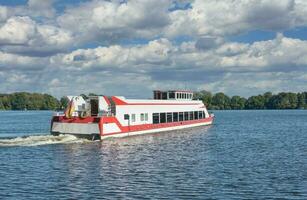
[146,116]
[204,114]
[191,115]
[133,118]
[186,116]
[162,117]
[177,94]
[181,116]
[171,95]
[142,116]
[169,117]
[175,117]
[155,118]
[200,114]
[195,114]
[94,107]
[164,95]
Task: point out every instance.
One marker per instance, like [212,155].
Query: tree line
[28,101]
[218,101]
[283,100]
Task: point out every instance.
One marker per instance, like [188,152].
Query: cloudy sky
[240,47]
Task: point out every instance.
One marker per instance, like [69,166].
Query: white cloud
[272,55]
[17,62]
[154,53]
[25,36]
[17,30]
[216,18]
[109,22]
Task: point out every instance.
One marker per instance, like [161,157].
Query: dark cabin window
[126,117]
[200,115]
[191,115]
[195,114]
[164,95]
[162,117]
[175,117]
[171,95]
[169,117]
[181,116]
[94,107]
[186,116]
[155,118]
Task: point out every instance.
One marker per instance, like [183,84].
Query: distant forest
[283,100]
[218,101]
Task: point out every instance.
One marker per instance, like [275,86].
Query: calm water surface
[244,155]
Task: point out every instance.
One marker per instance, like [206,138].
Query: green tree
[302,100]
[205,96]
[29,101]
[255,102]
[237,103]
[1,105]
[221,101]
[6,102]
[63,102]
[50,103]
[284,100]
[19,101]
[267,96]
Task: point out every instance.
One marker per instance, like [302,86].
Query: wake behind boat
[100,117]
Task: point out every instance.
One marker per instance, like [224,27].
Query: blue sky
[131,47]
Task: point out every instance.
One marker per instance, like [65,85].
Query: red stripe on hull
[76,119]
[144,127]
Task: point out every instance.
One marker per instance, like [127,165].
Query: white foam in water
[41,140]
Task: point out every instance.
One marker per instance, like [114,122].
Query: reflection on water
[244,155]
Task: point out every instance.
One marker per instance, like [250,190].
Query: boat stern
[81,127]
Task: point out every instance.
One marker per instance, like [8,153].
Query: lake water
[244,155]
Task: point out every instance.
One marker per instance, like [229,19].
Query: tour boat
[100,117]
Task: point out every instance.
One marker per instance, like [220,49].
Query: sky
[131,47]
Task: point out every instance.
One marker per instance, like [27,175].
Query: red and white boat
[100,117]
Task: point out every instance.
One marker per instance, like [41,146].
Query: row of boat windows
[177,116]
[143,117]
[184,96]
[172,95]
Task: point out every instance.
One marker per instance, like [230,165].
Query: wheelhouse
[173,95]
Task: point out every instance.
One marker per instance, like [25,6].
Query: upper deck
[172,100]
